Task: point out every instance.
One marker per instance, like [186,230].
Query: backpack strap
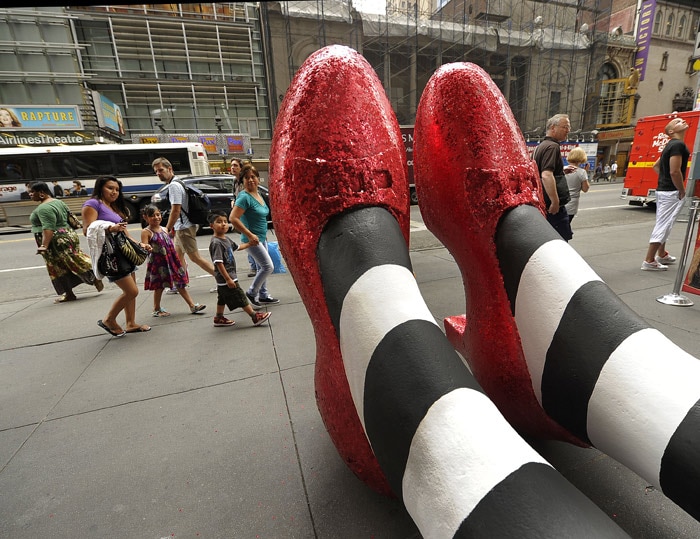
[182,206]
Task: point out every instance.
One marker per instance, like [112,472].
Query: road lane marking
[604,207]
[22,269]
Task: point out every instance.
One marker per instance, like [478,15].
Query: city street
[203,432]
[24,275]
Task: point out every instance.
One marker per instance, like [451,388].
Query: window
[554,103]
[669,25]
[249,126]
[657,22]
[681,28]
[695,28]
[664,61]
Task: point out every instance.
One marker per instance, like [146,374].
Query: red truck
[648,143]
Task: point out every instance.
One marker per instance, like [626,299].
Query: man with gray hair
[548,159]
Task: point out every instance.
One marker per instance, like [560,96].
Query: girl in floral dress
[164,269]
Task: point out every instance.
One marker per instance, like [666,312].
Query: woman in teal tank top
[249,216]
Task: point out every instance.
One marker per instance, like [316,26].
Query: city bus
[131,163]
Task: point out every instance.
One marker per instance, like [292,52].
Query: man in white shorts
[670,192]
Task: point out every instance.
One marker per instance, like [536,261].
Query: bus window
[54,167]
[11,171]
[135,163]
[178,159]
[93,164]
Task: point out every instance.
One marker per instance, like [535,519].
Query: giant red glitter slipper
[471,167]
[336,147]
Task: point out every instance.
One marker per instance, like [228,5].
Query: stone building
[657,38]
[173,69]
[169,69]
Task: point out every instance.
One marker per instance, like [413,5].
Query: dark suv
[219,189]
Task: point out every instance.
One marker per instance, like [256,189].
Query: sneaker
[259,318]
[253,302]
[268,301]
[653,266]
[222,321]
[171,291]
[252,273]
[213,290]
[666,259]
[196,308]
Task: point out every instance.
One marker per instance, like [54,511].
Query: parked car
[219,189]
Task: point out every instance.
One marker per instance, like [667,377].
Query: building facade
[648,70]
[133,73]
[164,71]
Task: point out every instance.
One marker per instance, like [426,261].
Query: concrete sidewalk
[191,431]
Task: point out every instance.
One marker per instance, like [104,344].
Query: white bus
[131,163]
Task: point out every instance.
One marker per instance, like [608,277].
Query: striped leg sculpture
[576,355]
[459,467]
[400,405]
[596,367]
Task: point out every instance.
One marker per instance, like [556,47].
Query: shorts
[186,239]
[121,276]
[233,298]
[668,206]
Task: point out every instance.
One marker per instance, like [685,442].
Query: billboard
[40,118]
[644,28]
[591,148]
[233,144]
[109,114]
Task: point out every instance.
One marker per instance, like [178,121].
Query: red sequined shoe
[471,166]
[336,146]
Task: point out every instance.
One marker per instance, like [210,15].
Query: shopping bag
[274,252]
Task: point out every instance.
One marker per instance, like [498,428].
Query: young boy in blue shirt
[230,294]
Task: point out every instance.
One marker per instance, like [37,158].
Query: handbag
[73,221]
[131,250]
[112,262]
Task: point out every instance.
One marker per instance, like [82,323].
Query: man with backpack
[179,225]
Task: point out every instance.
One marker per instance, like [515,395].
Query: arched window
[669,25]
[694,28]
[607,71]
[681,28]
[657,22]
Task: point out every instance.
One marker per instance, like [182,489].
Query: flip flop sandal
[109,330]
[140,329]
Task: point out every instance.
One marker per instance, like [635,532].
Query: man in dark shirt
[670,192]
[57,189]
[547,156]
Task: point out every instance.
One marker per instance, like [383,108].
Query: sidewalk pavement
[191,431]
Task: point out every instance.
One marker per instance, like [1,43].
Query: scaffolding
[544,56]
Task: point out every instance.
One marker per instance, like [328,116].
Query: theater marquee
[40,118]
